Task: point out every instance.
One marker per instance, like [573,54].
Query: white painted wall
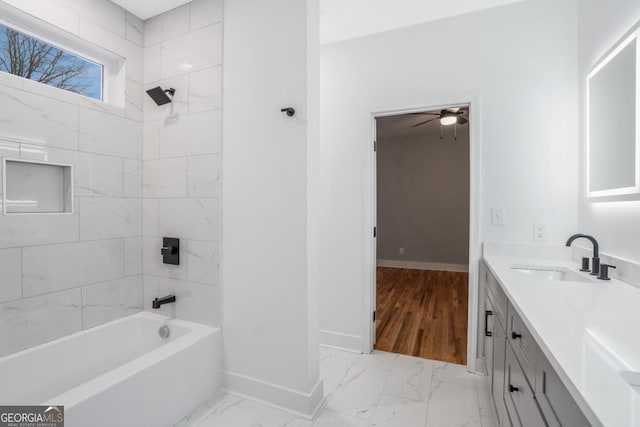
[343,20]
[269,235]
[614,224]
[520,61]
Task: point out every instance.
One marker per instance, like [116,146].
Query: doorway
[422,244]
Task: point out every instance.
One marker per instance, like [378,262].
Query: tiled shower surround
[141,172]
[181,152]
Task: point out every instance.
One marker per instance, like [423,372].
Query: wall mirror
[613,122]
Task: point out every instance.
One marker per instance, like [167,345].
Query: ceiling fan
[449,116]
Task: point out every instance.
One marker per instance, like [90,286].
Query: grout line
[71,288]
[124,257]
[386,381]
[21,273]
[86,241]
[124,175]
[81,309]
[213,24]
[191,282]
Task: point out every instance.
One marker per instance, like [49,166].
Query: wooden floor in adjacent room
[422,313]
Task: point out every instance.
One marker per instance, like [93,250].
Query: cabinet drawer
[557,405]
[497,296]
[521,404]
[523,344]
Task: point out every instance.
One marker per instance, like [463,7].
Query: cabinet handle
[515,335]
[512,388]
[487,332]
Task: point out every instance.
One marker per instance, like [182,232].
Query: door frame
[473,101]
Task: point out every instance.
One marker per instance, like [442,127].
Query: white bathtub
[119,374]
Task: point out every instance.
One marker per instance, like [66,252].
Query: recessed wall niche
[31,187]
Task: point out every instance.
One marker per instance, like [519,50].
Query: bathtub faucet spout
[156,303]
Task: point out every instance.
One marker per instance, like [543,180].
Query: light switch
[538,232]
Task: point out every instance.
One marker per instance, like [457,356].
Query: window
[33,59]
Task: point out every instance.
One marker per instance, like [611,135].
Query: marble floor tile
[197,416]
[483,381]
[377,359]
[485,400]
[489,422]
[453,405]
[330,387]
[452,373]
[233,411]
[410,378]
[335,419]
[376,390]
[334,364]
[394,411]
[359,392]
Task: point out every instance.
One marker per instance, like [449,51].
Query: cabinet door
[523,344]
[498,372]
[489,322]
[520,401]
[498,297]
[557,405]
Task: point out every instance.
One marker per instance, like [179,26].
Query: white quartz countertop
[589,331]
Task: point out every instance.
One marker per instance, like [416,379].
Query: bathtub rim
[70,398]
[108,379]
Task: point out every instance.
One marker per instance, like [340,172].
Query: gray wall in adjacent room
[423,197]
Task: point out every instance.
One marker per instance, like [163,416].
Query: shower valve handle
[167,250]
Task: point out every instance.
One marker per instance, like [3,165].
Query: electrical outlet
[401,251]
[497,216]
[538,232]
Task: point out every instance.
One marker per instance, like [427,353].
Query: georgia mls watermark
[31,416]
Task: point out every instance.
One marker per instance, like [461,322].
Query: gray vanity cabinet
[498,374]
[555,402]
[495,344]
[526,390]
[518,395]
[489,334]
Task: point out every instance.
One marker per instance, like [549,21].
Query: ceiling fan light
[448,120]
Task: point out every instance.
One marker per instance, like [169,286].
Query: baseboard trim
[419,265]
[305,405]
[340,341]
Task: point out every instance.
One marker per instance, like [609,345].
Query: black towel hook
[290,111]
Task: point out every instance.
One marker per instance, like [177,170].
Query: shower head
[160,96]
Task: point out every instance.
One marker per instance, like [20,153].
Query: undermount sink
[550,273]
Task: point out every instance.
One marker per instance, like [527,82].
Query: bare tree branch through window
[28,57]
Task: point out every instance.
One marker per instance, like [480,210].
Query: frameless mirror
[613,122]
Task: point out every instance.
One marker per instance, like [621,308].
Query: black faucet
[595,268]
[156,303]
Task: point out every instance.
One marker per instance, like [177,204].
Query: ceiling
[347,19]
[402,125]
[145,9]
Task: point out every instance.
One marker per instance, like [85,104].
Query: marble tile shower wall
[61,274]
[182,158]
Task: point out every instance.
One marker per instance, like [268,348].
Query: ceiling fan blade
[425,122]
[427,113]
[462,120]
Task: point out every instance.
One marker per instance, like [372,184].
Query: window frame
[113,87]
